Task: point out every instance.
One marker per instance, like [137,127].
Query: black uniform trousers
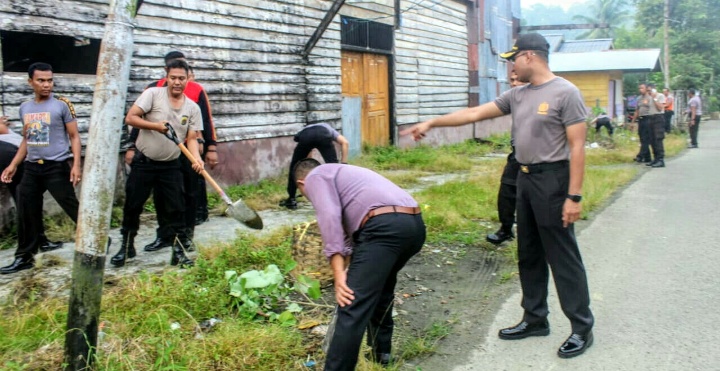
[190,201]
[606,123]
[52,176]
[694,131]
[507,195]
[668,120]
[657,135]
[543,241]
[644,134]
[201,212]
[382,247]
[7,153]
[164,179]
[307,140]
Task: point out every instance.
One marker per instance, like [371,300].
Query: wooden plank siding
[592,85]
[247,56]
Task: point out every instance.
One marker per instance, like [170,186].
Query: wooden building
[379,65]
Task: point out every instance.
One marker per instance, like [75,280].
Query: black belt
[45,162]
[545,166]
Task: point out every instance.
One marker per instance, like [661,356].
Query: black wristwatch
[574,198]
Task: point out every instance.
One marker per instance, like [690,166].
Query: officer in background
[642,116]
[321,136]
[602,120]
[507,195]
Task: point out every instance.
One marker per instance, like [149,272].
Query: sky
[563,3]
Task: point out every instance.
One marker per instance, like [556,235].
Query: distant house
[597,68]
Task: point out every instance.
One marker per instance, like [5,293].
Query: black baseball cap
[529,41]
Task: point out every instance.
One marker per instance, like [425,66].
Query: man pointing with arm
[549,131]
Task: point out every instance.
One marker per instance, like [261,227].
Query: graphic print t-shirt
[45,131]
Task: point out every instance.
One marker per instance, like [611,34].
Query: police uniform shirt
[540,115]
[157,107]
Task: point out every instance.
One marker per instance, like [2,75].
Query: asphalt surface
[652,259]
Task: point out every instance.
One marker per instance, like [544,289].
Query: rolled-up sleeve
[321,191]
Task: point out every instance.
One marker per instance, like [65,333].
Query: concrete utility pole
[666,38]
[98,189]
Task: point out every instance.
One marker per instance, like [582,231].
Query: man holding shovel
[156,164]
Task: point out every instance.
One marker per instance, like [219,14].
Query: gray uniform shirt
[540,115]
[156,105]
[643,105]
[659,98]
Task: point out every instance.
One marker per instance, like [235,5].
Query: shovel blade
[244,214]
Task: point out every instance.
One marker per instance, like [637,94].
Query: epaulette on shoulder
[69,104]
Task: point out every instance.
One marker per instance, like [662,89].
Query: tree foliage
[694,27]
[614,13]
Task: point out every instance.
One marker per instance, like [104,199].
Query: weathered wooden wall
[247,56]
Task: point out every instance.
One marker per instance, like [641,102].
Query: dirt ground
[460,287]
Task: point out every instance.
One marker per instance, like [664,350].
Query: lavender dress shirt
[342,195]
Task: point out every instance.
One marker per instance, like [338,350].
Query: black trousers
[382,247]
[543,241]
[507,194]
[307,140]
[668,120]
[7,153]
[644,134]
[201,195]
[190,201]
[657,135]
[694,131]
[164,179]
[52,176]
[606,124]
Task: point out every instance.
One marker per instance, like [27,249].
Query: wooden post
[98,188]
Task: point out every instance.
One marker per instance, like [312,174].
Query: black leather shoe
[200,219]
[290,203]
[383,359]
[50,246]
[499,237]
[18,265]
[524,329]
[658,163]
[158,244]
[575,345]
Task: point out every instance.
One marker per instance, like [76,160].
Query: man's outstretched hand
[418,130]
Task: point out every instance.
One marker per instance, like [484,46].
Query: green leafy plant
[264,293]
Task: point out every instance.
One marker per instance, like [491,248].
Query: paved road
[652,258]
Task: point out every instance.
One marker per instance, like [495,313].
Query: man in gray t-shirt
[549,131]
[50,133]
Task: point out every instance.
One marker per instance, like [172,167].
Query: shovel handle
[205,174]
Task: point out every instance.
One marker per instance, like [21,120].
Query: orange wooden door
[366,76]
[376,123]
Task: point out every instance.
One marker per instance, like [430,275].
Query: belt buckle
[40,161]
[525,169]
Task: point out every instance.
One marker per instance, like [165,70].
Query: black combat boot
[178,255]
[127,249]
